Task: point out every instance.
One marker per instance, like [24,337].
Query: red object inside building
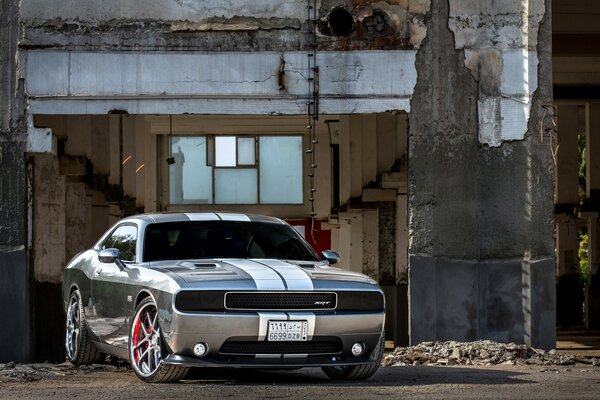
[318,238]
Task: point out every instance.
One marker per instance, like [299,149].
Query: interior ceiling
[576,48]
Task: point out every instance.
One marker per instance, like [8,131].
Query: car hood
[260,274]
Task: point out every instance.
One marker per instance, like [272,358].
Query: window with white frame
[244,169]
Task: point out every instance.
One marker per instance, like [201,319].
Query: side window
[123,238]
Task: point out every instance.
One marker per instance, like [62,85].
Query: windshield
[224,239]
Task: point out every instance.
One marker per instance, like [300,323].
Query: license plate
[286,331]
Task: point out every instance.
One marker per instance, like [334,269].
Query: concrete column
[57,215]
[402,238]
[592,210]
[481,252]
[569,289]
[14,265]
[370,243]
[151,169]
[566,190]
[592,160]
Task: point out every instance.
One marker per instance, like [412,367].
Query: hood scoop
[205,266]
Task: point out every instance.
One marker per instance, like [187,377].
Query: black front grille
[312,347]
[280,301]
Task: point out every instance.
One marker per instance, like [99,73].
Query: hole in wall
[340,21]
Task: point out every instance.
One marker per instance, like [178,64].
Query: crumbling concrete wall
[480,218]
[14,293]
[500,42]
[268,25]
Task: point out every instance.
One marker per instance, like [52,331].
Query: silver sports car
[172,291]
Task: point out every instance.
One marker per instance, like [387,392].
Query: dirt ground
[449,382]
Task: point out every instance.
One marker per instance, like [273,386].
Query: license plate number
[286,331]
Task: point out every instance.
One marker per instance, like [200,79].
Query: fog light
[200,349]
[357,349]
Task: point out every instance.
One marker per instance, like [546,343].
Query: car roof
[203,216]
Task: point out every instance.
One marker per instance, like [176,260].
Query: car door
[109,320]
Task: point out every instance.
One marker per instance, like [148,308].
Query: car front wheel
[78,342]
[145,347]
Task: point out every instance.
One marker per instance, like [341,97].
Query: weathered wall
[220,25]
[62,82]
[481,247]
[14,293]
[500,41]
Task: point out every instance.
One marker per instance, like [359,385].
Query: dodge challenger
[173,291]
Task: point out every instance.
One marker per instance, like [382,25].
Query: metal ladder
[312,104]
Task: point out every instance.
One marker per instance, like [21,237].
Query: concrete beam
[40,140]
[60,82]
[190,10]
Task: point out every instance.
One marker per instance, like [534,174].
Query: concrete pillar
[569,289]
[151,169]
[481,252]
[14,276]
[592,210]
[49,252]
[370,243]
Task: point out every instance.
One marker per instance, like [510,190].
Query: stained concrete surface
[481,227]
[500,382]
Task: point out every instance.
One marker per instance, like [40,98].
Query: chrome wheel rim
[145,341]
[73,323]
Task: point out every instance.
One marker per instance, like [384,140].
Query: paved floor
[498,382]
[448,382]
[581,343]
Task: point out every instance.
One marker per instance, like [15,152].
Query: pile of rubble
[34,372]
[482,352]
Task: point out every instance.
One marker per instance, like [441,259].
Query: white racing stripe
[234,217]
[295,277]
[202,216]
[264,277]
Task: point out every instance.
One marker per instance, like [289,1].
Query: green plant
[584,263]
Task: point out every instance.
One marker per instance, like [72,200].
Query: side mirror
[330,256]
[109,256]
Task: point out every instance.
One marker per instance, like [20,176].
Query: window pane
[235,186]
[280,163]
[225,151]
[246,149]
[124,239]
[190,180]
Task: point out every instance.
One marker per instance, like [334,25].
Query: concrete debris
[12,371]
[482,352]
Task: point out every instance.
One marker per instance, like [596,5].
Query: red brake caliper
[136,334]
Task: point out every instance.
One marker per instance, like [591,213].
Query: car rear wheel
[357,372]
[145,347]
[78,342]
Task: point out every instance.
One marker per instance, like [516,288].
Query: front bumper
[215,329]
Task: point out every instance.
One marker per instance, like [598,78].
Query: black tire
[152,370]
[79,347]
[357,372]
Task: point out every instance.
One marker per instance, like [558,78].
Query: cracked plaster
[500,40]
